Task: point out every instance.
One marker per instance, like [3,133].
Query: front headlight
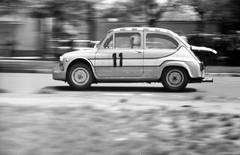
[61,63]
[61,58]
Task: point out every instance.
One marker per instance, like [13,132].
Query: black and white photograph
[119,77]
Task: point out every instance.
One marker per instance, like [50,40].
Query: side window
[109,43]
[127,40]
[158,41]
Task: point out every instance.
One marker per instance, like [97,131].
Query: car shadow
[120,89]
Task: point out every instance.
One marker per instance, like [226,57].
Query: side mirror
[96,45]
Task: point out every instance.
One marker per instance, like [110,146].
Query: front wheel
[80,76]
[174,79]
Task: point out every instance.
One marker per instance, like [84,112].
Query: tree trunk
[91,22]
[40,36]
[152,22]
[57,28]
[201,25]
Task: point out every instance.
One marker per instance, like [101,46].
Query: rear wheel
[174,79]
[80,76]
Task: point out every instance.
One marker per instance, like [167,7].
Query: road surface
[223,87]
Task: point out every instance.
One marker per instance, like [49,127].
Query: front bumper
[58,74]
[204,79]
[200,80]
[207,80]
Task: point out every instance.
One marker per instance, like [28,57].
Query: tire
[80,76]
[174,79]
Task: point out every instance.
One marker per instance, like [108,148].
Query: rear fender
[175,64]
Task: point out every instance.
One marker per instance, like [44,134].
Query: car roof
[152,29]
[141,29]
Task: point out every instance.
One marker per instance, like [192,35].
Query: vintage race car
[134,54]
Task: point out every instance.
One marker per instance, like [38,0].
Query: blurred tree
[90,16]
[203,8]
[235,12]
[64,11]
[155,10]
[228,13]
[72,11]
[11,7]
[60,11]
[117,10]
[150,10]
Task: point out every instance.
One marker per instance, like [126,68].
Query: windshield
[98,44]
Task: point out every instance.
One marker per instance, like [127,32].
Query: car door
[158,47]
[120,55]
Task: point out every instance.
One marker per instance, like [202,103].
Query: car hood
[205,49]
[80,53]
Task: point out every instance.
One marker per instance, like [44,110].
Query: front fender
[79,60]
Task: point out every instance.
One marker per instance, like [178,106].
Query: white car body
[114,59]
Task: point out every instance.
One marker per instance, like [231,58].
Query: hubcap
[175,78]
[80,76]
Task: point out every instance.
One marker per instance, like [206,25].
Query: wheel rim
[80,76]
[175,78]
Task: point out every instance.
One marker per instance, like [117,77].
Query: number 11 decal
[121,57]
[114,59]
[114,56]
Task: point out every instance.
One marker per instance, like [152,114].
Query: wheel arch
[81,60]
[175,64]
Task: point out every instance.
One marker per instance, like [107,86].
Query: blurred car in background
[59,47]
[82,45]
[227,45]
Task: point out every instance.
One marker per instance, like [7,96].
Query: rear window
[159,41]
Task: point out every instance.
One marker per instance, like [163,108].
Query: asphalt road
[223,88]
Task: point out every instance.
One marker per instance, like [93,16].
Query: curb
[42,71]
[28,58]
[224,74]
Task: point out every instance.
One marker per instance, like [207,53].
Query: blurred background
[49,28]
[39,115]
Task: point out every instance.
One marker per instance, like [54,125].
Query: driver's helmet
[135,41]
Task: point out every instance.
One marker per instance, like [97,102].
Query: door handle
[138,51]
